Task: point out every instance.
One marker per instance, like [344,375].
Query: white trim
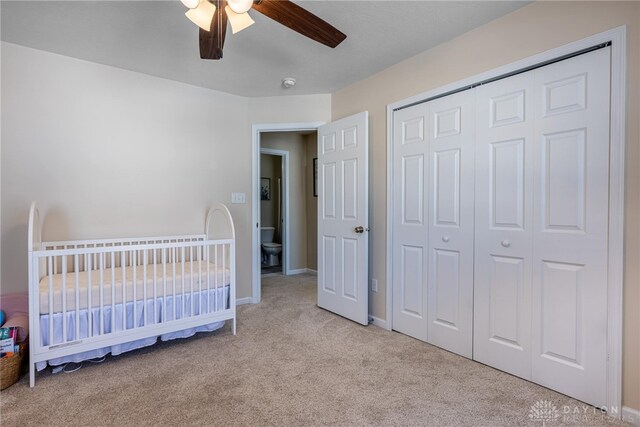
[256,129]
[389,260]
[302,271]
[297,271]
[286,252]
[245,300]
[631,416]
[615,286]
[617,37]
[376,321]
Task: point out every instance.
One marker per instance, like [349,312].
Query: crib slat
[155,285]
[134,262]
[173,269]
[101,259]
[75,267]
[199,255]
[89,292]
[164,285]
[145,312]
[208,280]
[184,303]
[51,311]
[193,300]
[64,299]
[123,266]
[224,269]
[215,277]
[113,292]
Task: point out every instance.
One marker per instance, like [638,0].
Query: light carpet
[291,364]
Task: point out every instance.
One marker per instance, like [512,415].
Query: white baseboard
[631,416]
[245,300]
[301,271]
[378,322]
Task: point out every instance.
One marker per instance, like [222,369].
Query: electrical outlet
[374,285]
[238,198]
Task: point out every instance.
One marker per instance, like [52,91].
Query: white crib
[88,298]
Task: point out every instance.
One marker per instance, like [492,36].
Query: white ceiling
[154,37]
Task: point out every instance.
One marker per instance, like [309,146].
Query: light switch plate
[238,198]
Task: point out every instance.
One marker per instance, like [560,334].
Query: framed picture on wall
[315,177]
[265,188]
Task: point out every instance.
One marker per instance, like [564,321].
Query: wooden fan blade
[212,42]
[298,19]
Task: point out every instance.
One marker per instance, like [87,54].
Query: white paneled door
[433,154]
[570,226]
[450,283]
[504,209]
[410,246]
[542,191]
[343,223]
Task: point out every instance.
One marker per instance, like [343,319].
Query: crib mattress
[195,274]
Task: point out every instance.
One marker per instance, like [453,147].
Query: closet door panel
[503,224]
[410,220]
[507,283]
[450,285]
[570,226]
[506,184]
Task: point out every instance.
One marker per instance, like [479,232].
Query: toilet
[270,250]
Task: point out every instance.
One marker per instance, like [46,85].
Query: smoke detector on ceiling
[288,82]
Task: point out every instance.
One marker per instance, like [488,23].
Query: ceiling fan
[212,16]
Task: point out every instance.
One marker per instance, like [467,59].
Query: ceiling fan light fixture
[191,4]
[202,15]
[238,21]
[240,6]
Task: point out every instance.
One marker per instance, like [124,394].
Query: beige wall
[296,145]
[533,29]
[312,202]
[112,153]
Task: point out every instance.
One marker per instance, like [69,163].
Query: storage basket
[11,368]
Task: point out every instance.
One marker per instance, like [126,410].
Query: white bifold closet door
[542,183]
[500,224]
[433,222]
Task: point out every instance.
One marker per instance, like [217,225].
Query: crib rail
[133,247]
[85,295]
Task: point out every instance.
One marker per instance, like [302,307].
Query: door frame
[284,227]
[617,38]
[256,130]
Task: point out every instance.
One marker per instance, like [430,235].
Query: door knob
[505,243]
[359,229]
[445,239]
